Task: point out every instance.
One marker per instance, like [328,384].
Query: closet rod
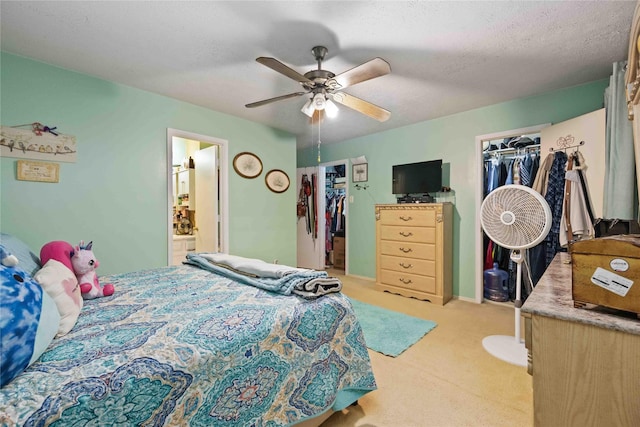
[513,150]
[567,147]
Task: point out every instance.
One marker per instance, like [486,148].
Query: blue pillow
[29,261]
[28,324]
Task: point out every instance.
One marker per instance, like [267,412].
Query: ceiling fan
[324,86]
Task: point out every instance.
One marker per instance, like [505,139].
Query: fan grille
[515,217]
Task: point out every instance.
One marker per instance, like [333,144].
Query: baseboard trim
[355,276]
[473,300]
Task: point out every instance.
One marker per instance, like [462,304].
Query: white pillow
[62,285]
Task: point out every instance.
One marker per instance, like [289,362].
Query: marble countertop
[552,298]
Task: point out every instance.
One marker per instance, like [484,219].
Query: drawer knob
[406,218]
[403,234]
[403,265]
[405,281]
[405,250]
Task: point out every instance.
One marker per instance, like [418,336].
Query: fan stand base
[506,348]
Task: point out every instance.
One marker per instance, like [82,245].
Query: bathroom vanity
[585,362]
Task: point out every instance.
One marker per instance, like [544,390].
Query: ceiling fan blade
[375,68]
[278,66]
[277,98]
[362,106]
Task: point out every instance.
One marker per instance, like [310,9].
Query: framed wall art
[25,144]
[361,172]
[277,181]
[247,165]
[28,170]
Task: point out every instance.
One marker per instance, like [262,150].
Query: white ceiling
[446,57]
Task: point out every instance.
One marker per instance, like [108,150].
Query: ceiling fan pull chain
[319,142]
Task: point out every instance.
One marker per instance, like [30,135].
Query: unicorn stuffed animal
[84,265]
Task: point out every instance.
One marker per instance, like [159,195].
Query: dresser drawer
[408,234]
[411,217]
[408,250]
[408,281]
[408,265]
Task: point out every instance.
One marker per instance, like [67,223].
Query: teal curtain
[620,187]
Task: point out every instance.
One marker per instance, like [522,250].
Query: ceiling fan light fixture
[308,108]
[331,109]
[319,101]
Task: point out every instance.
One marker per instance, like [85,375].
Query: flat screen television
[421,177]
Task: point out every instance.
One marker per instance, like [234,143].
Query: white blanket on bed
[278,278]
[251,266]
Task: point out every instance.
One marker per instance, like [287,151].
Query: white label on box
[618,264]
[612,282]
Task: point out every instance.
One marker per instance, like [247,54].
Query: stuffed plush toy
[7,259]
[84,265]
[29,318]
[58,250]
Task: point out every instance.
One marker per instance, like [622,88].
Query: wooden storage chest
[606,272]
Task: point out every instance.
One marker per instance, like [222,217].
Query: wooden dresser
[414,250]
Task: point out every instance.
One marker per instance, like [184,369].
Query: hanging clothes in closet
[511,164]
[334,221]
[335,210]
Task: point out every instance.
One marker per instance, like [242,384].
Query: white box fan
[517,218]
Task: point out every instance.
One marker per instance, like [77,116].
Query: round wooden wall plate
[247,165]
[277,181]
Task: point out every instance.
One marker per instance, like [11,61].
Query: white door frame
[480,195]
[223,175]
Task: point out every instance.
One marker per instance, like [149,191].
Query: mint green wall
[116,192]
[451,139]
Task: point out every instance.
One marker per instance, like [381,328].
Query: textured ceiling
[446,57]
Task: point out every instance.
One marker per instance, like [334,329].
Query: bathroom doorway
[197,189]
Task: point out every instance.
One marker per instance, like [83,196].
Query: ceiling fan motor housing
[319,77]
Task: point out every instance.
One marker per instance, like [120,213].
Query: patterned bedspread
[183,346]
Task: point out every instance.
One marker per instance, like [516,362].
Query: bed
[183,345]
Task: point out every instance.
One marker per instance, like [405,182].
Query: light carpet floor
[446,379]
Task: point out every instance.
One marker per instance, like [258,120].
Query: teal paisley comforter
[182,346]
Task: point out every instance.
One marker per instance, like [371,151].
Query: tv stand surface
[422,198]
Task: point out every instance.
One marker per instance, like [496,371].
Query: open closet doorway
[490,145]
[335,215]
[321,231]
[197,195]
